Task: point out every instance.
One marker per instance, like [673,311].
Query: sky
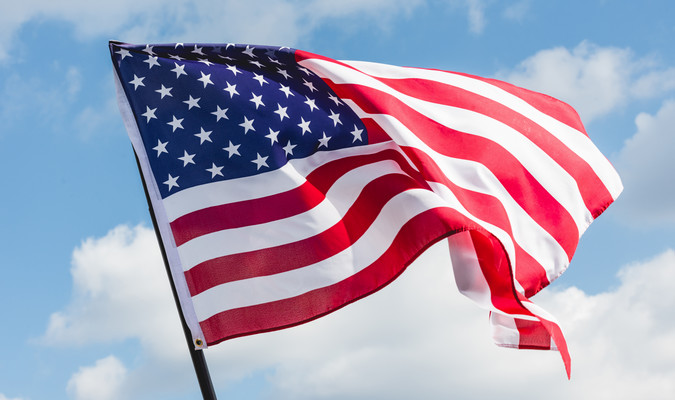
[86,307]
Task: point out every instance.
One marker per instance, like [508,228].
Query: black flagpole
[198,360]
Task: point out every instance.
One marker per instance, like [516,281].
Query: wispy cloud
[285,22]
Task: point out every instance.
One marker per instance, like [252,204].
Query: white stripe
[368,248]
[469,277]
[330,211]
[548,173]
[504,330]
[288,177]
[474,176]
[572,138]
[363,252]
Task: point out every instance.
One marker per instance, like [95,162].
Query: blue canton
[215,112]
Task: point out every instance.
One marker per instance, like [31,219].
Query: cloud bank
[415,338]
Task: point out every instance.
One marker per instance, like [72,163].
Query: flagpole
[198,359]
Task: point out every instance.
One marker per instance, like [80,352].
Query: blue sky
[86,307]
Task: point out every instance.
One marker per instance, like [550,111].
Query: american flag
[287,185]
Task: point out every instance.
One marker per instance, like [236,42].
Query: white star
[205,79]
[204,136]
[259,78]
[286,90]
[193,102]
[260,161]
[176,123]
[148,49]
[249,51]
[172,181]
[220,113]
[289,148]
[257,100]
[164,91]
[232,149]
[281,111]
[215,170]
[205,61]
[232,89]
[305,70]
[335,118]
[247,125]
[161,147]
[198,50]
[310,85]
[310,103]
[357,134]
[273,136]
[149,113]
[187,158]
[179,70]
[256,63]
[124,53]
[324,140]
[335,99]
[234,69]
[283,72]
[138,81]
[176,57]
[274,60]
[304,125]
[151,61]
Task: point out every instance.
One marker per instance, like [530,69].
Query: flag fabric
[287,185]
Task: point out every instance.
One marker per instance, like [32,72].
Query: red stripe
[375,133]
[519,183]
[280,205]
[530,273]
[305,252]
[533,335]
[495,265]
[544,103]
[294,255]
[551,106]
[416,236]
[592,189]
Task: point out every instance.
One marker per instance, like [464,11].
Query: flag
[287,185]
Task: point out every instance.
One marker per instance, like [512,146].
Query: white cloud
[102,381]
[517,11]
[3,397]
[284,22]
[593,79]
[120,291]
[31,98]
[476,15]
[646,165]
[416,338]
